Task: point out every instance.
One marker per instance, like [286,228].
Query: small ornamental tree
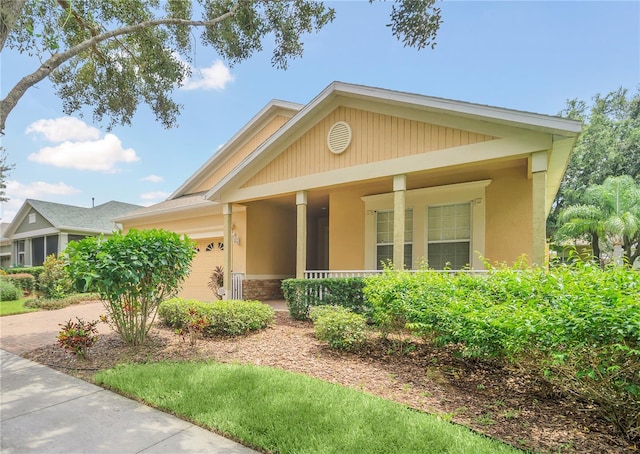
[133,274]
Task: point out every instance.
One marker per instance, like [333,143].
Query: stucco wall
[346,230]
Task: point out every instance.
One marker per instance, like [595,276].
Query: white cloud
[214,77]
[17,193]
[100,155]
[152,179]
[63,129]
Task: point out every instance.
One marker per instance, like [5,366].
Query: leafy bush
[224,317]
[54,282]
[302,294]
[24,281]
[577,326]
[9,291]
[340,327]
[78,336]
[32,270]
[133,274]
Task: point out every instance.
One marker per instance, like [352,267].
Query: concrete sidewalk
[45,411]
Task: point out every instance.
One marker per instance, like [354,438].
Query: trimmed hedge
[302,294]
[33,270]
[9,291]
[224,317]
[26,282]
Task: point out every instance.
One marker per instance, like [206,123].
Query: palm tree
[611,213]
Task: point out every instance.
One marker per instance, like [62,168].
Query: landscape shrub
[340,327]
[302,294]
[77,337]
[54,282]
[32,270]
[24,281]
[9,291]
[59,303]
[576,326]
[223,317]
[133,273]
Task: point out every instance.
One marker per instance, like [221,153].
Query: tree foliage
[4,173]
[115,55]
[133,274]
[608,146]
[609,216]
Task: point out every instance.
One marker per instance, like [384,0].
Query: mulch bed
[503,403]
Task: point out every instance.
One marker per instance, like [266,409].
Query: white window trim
[466,240]
[32,218]
[391,243]
[419,200]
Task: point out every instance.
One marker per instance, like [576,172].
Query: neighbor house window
[32,218]
[384,238]
[449,236]
[20,248]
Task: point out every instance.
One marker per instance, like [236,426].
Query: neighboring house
[5,246]
[361,176]
[43,228]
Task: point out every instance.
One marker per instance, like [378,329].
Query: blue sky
[529,56]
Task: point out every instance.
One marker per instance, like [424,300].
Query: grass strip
[282,412]
[15,307]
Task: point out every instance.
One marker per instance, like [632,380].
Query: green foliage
[340,327]
[216,281]
[133,274]
[577,326]
[32,270]
[59,303]
[224,317]
[9,291]
[53,282]
[77,337]
[24,281]
[608,146]
[302,294]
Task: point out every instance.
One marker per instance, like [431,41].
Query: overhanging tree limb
[46,68]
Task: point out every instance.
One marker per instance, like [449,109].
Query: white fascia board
[274,107]
[171,210]
[35,233]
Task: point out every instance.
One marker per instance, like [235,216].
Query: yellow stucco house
[364,175]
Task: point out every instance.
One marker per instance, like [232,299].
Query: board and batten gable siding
[235,159]
[375,137]
[39,224]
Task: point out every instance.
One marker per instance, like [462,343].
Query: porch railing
[236,285]
[325,274]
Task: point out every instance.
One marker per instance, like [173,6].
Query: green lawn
[15,307]
[283,412]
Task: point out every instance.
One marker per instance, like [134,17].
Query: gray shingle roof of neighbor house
[98,218]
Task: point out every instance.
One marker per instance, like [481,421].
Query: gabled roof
[98,219]
[273,108]
[339,93]
[178,204]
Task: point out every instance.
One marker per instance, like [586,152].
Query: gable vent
[339,137]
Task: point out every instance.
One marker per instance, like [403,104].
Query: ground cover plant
[49,304]
[577,327]
[278,411]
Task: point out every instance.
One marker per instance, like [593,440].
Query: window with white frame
[384,238]
[20,249]
[449,236]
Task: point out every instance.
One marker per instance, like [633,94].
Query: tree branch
[50,65]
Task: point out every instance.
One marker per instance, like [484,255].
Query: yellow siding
[376,137]
[241,154]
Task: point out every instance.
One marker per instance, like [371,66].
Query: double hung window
[449,236]
[384,238]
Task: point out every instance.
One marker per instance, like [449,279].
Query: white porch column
[63,241]
[301,233]
[539,198]
[227,209]
[399,192]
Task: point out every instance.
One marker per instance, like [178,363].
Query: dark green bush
[9,291]
[340,327]
[24,281]
[32,270]
[224,317]
[302,294]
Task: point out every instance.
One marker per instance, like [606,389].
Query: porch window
[449,236]
[384,238]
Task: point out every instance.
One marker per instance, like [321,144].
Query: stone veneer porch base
[262,289]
